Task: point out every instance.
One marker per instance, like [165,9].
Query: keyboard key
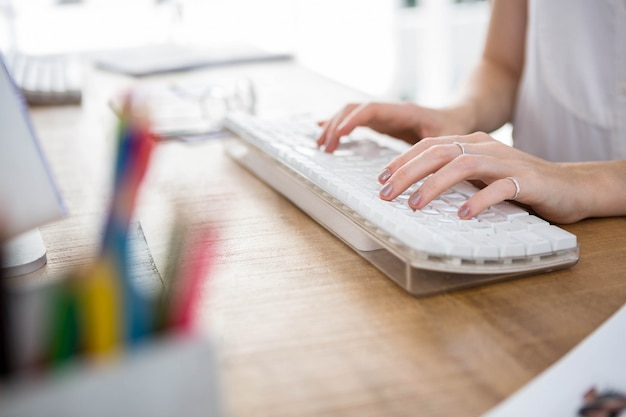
[560,239]
[535,244]
[47,79]
[531,222]
[509,210]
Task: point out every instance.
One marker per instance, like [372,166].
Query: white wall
[376,46]
[392,52]
[352,41]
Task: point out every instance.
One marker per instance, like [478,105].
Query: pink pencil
[200,254]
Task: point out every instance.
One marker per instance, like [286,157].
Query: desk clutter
[93,342]
[47,79]
[588,381]
[194,111]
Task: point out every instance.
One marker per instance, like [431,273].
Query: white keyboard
[425,251]
[46,79]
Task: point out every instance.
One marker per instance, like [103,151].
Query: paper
[598,362]
[163,58]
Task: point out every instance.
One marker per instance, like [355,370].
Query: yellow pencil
[102,308]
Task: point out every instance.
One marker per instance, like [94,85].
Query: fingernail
[385,175]
[415,199]
[386,190]
[464,211]
[326,145]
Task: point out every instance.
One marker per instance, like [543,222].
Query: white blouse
[571,105]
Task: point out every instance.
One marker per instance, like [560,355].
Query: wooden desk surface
[305,326]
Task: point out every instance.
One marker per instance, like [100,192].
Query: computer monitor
[29,197]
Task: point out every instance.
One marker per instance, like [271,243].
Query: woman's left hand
[507,173]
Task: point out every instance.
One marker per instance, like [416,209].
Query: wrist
[461,119]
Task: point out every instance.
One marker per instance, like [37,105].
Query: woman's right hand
[406,121]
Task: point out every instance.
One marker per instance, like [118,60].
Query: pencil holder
[93,343]
[173,376]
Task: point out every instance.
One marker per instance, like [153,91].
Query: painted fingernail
[385,175]
[415,199]
[464,211]
[327,143]
[386,190]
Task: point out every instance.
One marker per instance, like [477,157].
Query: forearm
[487,98]
[486,101]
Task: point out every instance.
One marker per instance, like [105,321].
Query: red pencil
[194,270]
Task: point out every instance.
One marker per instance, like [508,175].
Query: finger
[416,150]
[359,115]
[475,143]
[484,168]
[329,135]
[382,117]
[494,193]
[326,126]
[426,146]
[432,160]
[464,167]
[366,114]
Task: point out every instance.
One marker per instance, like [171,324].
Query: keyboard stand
[421,277]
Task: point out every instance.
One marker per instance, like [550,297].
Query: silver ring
[460,145]
[517,187]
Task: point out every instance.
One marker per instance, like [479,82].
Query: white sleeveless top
[571,105]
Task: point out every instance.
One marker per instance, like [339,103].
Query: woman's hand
[555,191]
[406,121]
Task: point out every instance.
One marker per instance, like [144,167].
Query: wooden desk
[304,325]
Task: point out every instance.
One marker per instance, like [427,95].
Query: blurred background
[391,49]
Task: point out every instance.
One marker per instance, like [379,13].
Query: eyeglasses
[195,111]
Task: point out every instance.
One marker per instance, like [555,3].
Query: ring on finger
[517,187]
[460,145]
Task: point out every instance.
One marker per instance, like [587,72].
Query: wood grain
[304,326]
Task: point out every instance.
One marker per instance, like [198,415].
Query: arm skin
[490,91]
[559,192]
[486,101]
